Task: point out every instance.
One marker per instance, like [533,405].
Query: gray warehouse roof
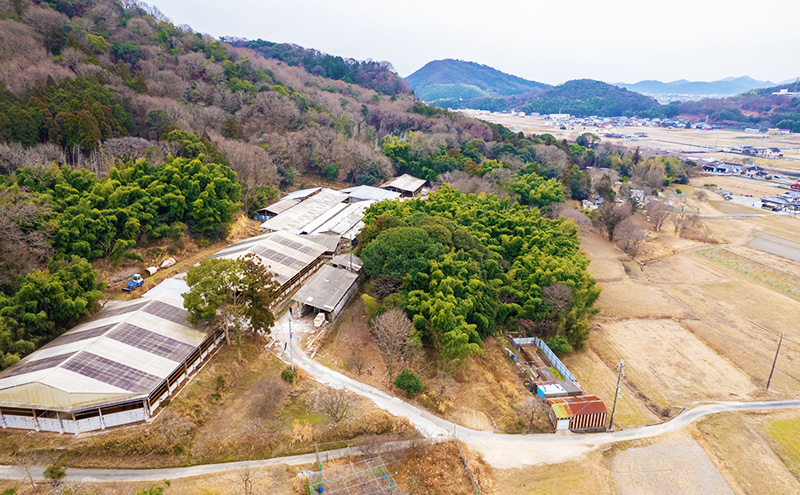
[284,253]
[281,206]
[345,220]
[406,183]
[348,261]
[326,288]
[122,353]
[364,193]
[296,218]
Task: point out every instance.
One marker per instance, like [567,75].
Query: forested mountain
[456,84]
[447,83]
[760,107]
[584,97]
[727,86]
[377,76]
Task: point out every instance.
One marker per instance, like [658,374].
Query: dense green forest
[465,265]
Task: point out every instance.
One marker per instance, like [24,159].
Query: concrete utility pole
[775,360]
[291,354]
[616,392]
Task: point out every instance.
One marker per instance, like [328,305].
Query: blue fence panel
[557,364]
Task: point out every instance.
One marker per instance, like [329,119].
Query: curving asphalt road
[500,450]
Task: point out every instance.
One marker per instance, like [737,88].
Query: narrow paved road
[500,450]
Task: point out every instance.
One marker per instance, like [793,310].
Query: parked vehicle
[136,281]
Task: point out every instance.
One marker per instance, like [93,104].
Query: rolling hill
[449,82]
[728,86]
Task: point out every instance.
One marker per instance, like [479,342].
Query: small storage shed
[560,388]
[328,291]
[582,413]
[407,185]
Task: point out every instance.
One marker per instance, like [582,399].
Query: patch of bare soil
[677,466]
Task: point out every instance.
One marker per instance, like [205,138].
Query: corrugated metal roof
[330,241]
[175,286]
[568,407]
[344,220]
[281,206]
[406,183]
[326,288]
[364,193]
[348,260]
[122,353]
[284,253]
[303,193]
[295,219]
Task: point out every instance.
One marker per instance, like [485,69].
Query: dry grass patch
[587,476]
[438,470]
[738,443]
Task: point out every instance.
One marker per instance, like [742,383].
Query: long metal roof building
[293,258]
[116,368]
[296,218]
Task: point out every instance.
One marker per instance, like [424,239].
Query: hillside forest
[120,131]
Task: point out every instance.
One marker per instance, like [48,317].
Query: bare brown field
[738,185]
[691,328]
[677,466]
[671,365]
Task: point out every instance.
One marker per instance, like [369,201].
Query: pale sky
[551,42]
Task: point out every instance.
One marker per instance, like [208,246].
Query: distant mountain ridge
[725,87]
[443,82]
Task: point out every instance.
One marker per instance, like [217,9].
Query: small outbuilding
[582,413]
[558,388]
[348,261]
[328,291]
[407,185]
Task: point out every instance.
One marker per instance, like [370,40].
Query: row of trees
[462,264]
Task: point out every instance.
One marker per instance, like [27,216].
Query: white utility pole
[616,392]
[291,354]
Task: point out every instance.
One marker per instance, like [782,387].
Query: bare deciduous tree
[336,403]
[390,330]
[610,214]
[530,412]
[658,212]
[355,355]
[559,295]
[629,236]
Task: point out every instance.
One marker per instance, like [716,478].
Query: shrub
[288,375]
[559,345]
[408,381]
[54,472]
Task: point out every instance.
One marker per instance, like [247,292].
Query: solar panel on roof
[118,310]
[40,364]
[151,342]
[78,336]
[168,312]
[112,373]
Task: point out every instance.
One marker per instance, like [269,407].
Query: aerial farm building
[117,368]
